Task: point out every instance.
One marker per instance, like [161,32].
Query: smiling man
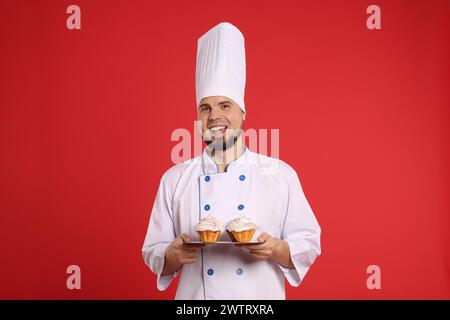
[228,181]
[222,121]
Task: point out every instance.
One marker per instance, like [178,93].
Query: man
[227,181]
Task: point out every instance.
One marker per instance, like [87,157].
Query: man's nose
[215,114]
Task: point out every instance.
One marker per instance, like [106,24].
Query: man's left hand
[266,249]
[270,247]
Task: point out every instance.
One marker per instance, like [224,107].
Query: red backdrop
[86,118]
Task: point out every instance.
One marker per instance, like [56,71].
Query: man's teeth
[218,128]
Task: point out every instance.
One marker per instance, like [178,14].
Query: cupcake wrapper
[209,236]
[241,236]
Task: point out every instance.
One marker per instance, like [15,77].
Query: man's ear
[243,115]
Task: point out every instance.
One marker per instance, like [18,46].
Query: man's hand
[179,253]
[270,247]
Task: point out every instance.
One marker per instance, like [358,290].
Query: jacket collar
[209,166]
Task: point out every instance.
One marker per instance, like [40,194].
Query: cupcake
[241,229]
[209,229]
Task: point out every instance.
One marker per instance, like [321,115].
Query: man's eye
[225,106]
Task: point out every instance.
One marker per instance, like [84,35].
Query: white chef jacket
[264,189]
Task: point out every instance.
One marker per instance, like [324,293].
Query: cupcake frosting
[241,223]
[209,223]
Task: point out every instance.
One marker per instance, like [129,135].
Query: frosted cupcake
[209,229]
[241,229]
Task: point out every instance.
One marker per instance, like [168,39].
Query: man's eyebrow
[223,102]
[220,103]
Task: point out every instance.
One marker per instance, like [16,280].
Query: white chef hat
[220,69]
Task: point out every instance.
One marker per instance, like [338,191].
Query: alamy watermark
[190,144]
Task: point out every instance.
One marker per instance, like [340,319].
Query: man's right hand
[182,252]
[179,253]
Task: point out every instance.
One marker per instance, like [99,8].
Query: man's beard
[221,144]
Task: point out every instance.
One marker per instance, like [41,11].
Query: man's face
[221,120]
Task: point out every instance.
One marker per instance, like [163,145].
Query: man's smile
[218,130]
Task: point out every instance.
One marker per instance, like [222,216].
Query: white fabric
[220,69]
[272,199]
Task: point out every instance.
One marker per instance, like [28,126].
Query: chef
[229,181]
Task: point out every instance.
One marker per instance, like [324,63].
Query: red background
[86,118]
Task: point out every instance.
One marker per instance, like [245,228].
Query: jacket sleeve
[160,234]
[301,231]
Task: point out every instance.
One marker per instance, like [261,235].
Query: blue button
[210,272]
[207,178]
[242,177]
[239,271]
[241,206]
[207,207]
